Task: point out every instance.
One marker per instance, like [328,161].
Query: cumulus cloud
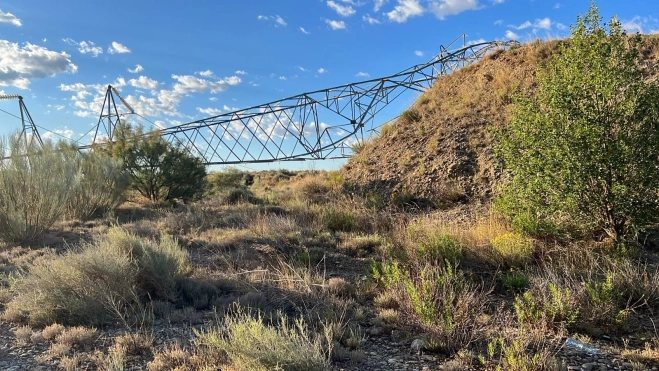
[342,10]
[443,8]
[304,31]
[418,53]
[378,4]
[511,35]
[370,20]
[138,68]
[322,70]
[10,18]
[277,20]
[20,64]
[362,74]
[144,82]
[117,48]
[66,132]
[210,111]
[641,25]
[88,99]
[207,73]
[404,10]
[240,72]
[88,47]
[336,25]
[543,23]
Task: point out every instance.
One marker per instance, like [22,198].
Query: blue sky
[177,61]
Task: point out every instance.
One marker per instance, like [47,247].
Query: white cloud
[20,64]
[164,102]
[443,8]
[66,132]
[370,20]
[362,74]
[212,99]
[511,35]
[117,48]
[160,124]
[378,4]
[558,6]
[322,70]
[144,82]
[336,25]
[498,1]
[418,53]
[342,10]
[207,73]
[89,47]
[498,22]
[405,9]
[477,41]
[641,25]
[279,21]
[138,68]
[282,77]
[240,72]
[544,23]
[10,18]
[304,31]
[301,68]
[85,47]
[210,111]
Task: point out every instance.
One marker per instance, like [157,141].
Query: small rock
[588,366]
[417,345]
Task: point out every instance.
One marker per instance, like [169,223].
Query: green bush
[339,220]
[110,276]
[228,178]
[444,302]
[102,185]
[158,170]
[553,307]
[35,185]
[583,150]
[232,196]
[251,345]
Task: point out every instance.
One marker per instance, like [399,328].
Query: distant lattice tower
[109,117]
[28,129]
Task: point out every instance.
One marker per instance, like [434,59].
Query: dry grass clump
[513,249]
[77,336]
[313,189]
[23,335]
[340,287]
[360,246]
[102,282]
[252,345]
[52,331]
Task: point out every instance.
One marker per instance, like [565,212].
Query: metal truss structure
[323,124]
[311,126]
[28,129]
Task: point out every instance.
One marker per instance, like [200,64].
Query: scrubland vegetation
[298,271]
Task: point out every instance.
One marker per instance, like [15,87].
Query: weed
[252,345]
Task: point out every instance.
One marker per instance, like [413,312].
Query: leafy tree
[585,147]
[158,170]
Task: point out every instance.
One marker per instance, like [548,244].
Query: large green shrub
[158,170]
[585,148]
[115,273]
[35,185]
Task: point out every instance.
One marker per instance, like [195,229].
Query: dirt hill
[441,147]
